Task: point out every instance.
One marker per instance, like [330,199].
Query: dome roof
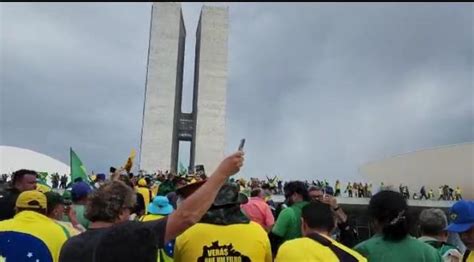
[14,158]
[433,167]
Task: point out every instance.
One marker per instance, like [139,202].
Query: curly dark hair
[255,192]
[296,187]
[390,210]
[106,203]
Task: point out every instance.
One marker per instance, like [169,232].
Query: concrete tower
[210,86]
[164,125]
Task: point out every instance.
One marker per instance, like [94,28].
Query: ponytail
[397,228]
[389,210]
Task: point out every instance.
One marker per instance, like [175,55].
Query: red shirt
[259,211]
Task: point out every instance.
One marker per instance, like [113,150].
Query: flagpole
[70,164]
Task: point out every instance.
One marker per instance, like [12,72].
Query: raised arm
[196,205]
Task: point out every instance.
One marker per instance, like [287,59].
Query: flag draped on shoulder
[129,164]
[78,169]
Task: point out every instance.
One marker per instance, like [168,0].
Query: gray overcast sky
[317,89]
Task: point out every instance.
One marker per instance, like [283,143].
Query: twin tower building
[164,124]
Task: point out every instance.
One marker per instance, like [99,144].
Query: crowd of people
[196,217]
[273,185]
[355,189]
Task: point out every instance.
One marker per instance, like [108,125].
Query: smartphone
[242,143]
[199,169]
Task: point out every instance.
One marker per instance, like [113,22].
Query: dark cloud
[317,89]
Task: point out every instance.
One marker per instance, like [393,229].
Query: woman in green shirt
[392,242]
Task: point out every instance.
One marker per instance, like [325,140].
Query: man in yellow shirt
[31,235]
[224,233]
[142,189]
[431,194]
[338,188]
[318,222]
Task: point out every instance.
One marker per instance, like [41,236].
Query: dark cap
[67,197]
[100,177]
[80,190]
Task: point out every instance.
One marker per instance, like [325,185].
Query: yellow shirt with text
[214,243]
[306,250]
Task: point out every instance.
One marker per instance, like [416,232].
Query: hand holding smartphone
[242,144]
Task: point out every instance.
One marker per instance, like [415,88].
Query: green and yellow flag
[78,169]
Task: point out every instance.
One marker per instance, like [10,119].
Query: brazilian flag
[78,170]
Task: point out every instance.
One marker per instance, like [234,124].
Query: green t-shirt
[79,209]
[408,249]
[288,223]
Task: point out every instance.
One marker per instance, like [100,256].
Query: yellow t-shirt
[214,243]
[145,192]
[470,257]
[154,190]
[33,235]
[306,249]
[69,227]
